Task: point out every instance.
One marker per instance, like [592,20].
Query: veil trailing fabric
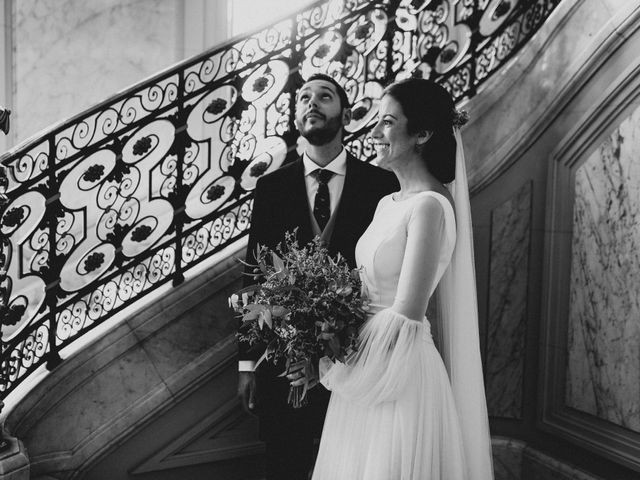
[458,326]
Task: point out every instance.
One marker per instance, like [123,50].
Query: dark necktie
[322,202]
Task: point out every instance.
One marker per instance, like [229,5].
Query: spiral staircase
[122,227]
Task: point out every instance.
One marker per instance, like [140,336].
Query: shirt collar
[338,165]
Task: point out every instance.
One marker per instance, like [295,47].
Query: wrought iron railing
[125,197]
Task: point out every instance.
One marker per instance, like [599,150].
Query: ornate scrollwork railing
[126,196]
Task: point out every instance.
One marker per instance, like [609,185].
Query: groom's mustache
[315,113]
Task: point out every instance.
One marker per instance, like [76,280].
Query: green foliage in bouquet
[307,305]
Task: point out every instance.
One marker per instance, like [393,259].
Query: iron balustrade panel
[125,197]
[206,238]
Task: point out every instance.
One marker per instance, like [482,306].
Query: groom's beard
[318,136]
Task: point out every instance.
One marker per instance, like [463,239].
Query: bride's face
[393,143]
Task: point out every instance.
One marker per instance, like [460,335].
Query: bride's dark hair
[429,107]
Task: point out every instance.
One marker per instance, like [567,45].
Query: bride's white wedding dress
[392,414]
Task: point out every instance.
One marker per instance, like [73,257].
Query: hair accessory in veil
[460,118]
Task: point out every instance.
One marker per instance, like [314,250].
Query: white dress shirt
[339,168]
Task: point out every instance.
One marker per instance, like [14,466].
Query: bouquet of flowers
[308,305]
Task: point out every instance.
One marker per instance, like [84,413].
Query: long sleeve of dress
[392,338]
[420,266]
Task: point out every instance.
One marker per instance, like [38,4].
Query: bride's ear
[423,137]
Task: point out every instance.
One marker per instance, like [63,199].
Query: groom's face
[319,113]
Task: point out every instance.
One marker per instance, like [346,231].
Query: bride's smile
[391,139]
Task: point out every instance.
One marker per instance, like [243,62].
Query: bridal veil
[458,327]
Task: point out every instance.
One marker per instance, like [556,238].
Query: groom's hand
[247,391]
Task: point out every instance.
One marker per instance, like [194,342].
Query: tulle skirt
[392,414]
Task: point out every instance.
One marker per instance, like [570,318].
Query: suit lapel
[348,201]
[297,203]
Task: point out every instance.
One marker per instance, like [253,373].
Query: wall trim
[605,438]
[605,43]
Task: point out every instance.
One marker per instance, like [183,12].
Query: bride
[397,410]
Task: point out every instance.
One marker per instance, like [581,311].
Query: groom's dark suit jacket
[280,205]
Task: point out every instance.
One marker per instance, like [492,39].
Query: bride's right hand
[302,372]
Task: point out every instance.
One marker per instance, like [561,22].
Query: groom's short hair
[342,94]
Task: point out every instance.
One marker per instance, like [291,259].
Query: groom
[326,192]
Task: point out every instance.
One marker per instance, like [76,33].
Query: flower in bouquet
[306,305]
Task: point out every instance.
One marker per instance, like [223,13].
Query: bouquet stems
[297,396]
[298,393]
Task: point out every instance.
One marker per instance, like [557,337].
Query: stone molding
[129,353]
[505,120]
[14,461]
[591,432]
[180,452]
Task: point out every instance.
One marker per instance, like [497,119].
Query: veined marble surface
[510,238]
[71,54]
[603,364]
[507,458]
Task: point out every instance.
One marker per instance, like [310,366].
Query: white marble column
[6,81]
[205,24]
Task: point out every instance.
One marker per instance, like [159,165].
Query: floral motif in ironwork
[13,217]
[217,106]
[260,84]
[93,261]
[448,54]
[359,113]
[502,9]
[93,173]
[258,169]
[323,51]
[141,233]
[13,314]
[142,146]
[215,192]
[363,31]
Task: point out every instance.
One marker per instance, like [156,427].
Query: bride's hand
[302,372]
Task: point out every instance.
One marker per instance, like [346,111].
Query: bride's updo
[429,107]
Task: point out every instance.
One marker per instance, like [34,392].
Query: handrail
[125,197]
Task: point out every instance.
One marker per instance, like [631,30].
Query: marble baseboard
[515,460]
[507,458]
[540,466]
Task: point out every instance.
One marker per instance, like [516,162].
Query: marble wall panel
[603,360]
[71,54]
[506,321]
